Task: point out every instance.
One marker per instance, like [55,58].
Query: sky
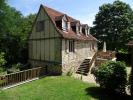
[83,10]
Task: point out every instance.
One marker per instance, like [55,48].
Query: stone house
[61,43]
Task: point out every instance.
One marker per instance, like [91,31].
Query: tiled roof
[56,15]
[130,43]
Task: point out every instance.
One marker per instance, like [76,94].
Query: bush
[1,70]
[112,76]
[2,59]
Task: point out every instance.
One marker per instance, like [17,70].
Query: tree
[2,15]
[25,29]
[112,76]
[14,31]
[114,24]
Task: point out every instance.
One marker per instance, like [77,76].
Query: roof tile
[55,15]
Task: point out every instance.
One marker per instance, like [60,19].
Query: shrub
[2,59]
[112,76]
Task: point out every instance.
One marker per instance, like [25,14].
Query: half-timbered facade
[59,42]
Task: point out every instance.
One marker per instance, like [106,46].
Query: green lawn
[55,88]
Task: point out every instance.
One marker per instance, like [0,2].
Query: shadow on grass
[102,94]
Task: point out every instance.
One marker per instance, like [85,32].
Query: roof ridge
[53,9]
[71,18]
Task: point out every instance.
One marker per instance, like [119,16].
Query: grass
[55,88]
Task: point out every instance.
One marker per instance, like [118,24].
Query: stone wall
[72,60]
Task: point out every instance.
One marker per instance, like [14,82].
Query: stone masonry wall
[72,60]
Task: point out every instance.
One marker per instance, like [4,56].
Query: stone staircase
[84,67]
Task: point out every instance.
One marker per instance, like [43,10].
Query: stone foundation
[52,69]
[70,67]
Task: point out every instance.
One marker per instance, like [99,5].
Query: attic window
[83,31]
[74,28]
[64,25]
[39,26]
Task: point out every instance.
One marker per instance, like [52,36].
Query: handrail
[21,71]
[106,55]
[21,76]
[92,60]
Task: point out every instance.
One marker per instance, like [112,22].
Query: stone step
[84,71]
[83,68]
[85,61]
[84,65]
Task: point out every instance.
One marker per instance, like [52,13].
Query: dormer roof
[56,15]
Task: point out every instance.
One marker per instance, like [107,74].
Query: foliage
[112,76]
[2,62]
[2,59]
[114,24]
[14,68]
[15,28]
[69,73]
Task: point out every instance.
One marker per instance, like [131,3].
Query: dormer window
[83,31]
[80,29]
[87,30]
[77,28]
[73,26]
[62,22]
[59,24]
[64,25]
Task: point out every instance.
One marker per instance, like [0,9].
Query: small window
[65,26]
[83,31]
[93,46]
[40,26]
[71,46]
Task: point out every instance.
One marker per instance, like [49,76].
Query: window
[78,29]
[83,31]
[39,26]
[64,25]
[71,46]
[93,46]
